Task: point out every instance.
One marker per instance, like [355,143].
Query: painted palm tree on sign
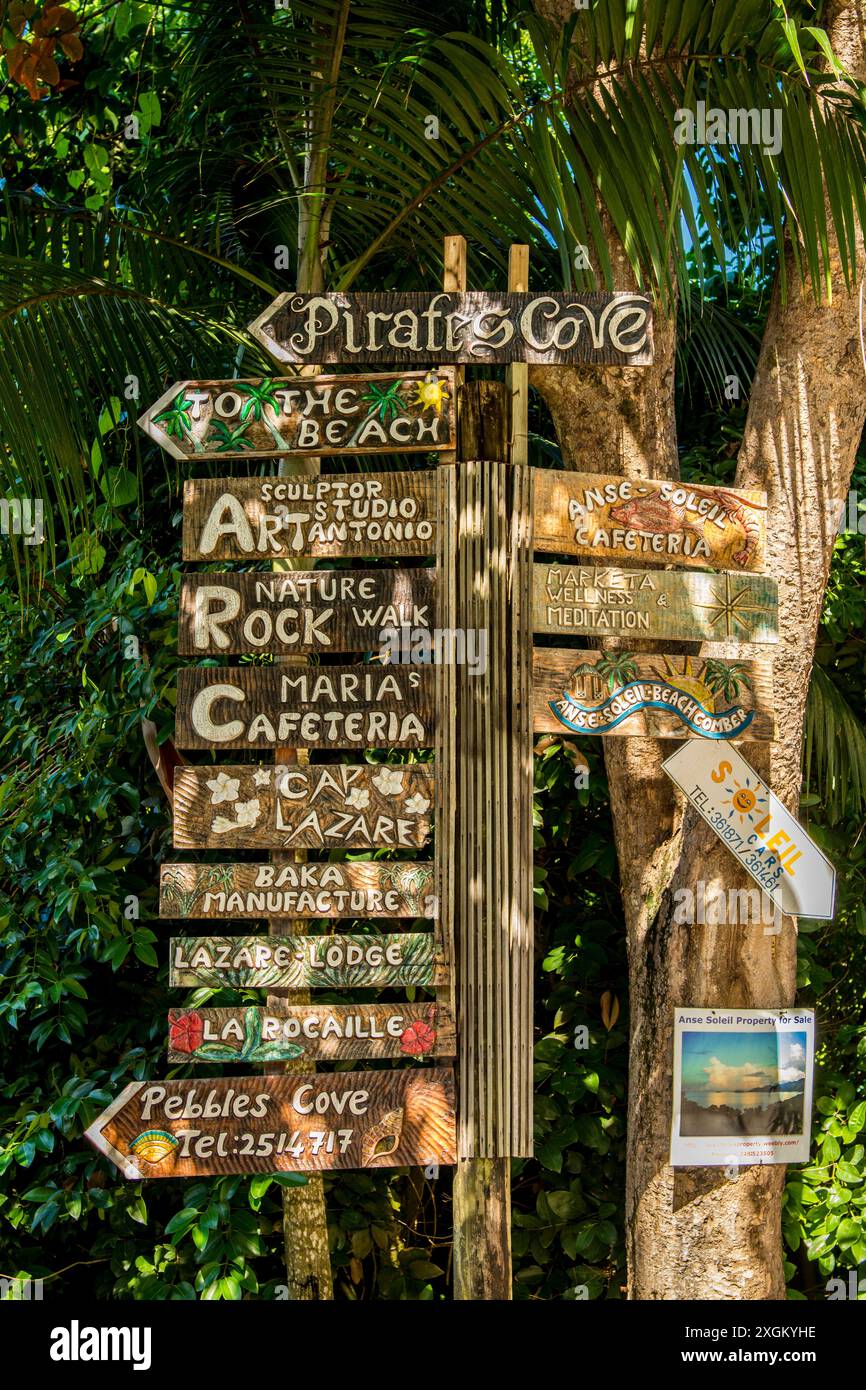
[178,889]
[176,420]
[384,401]
[617,668]
[230,440]
[726,678]
[260,397]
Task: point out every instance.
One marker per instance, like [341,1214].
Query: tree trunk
[697,1234]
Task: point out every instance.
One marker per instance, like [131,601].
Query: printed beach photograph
[742,1083]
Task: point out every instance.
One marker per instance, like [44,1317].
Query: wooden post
[520,750]
[493,840]
[305,1223]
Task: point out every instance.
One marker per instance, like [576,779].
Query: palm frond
[834,750]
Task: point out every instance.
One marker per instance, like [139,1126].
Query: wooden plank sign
[612,518]
[386,412]
[651,695]
[302,611]
[654,603]
[371,706]
[373,961]
[477,326]
[348,514]
[318,1033]
[280,1124]
[290,807]
[310,890]
[757,828]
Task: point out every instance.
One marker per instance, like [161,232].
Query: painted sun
[431,393]
[743,799]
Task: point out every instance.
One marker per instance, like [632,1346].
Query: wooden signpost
[609,602]
[277,1124]
[651,695]
[301,611]
[381,888]
[611,518]
[760,832]
[341,514]
[291,807]
[477,326]
[314,1032]
[322,415]
[371,706]
[343,960]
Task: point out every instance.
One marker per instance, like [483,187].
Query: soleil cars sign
[761,834]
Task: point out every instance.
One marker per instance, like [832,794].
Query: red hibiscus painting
[417,1038]
[185,1030]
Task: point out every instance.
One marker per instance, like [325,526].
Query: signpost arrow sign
[280,1124]
[761,834]
[383,413]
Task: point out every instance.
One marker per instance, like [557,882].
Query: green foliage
[130,261]
[568,1202]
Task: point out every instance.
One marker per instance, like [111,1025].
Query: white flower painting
[247,815]
[389,781]
[223,788]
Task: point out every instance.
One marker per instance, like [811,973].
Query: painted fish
[651,513]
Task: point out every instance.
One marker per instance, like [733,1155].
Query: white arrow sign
[761,834]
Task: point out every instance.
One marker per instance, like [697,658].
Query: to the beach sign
[653,696]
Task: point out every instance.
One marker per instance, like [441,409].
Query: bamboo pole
[493,847]
[482,1244]
[305,1223]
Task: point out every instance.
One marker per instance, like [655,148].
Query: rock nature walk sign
[303,611]
[759,831]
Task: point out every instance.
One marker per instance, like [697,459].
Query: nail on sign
[761,834]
